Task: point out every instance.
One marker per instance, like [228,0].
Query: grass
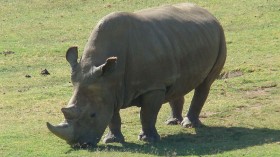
[241,113]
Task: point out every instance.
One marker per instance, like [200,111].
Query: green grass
[242,113]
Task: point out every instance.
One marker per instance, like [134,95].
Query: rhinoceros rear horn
[72,56]
[70,112]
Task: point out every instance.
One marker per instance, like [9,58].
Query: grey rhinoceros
[143,59]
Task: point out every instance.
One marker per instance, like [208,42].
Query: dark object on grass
[45,72]
[27,76]
[7,52]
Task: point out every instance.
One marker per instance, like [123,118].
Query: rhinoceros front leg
[114,134]
[176,111]
[150,105]
[198,100]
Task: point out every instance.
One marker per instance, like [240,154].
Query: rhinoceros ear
[72,56]
[109,65]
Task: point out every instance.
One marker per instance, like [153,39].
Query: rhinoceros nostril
[92,115]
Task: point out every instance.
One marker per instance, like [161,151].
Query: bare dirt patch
[256,93]
[269,86]
[254,107]
[257,106]
[230,74]
[260,91]
[207,114]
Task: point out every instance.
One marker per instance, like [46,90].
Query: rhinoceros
[145,59]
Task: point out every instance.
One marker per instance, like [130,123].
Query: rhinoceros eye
[92,115]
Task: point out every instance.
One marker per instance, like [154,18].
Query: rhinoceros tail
[220,61]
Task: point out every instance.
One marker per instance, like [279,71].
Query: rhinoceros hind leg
[114,134]
[176,111]
[150,105]
[186,123]
[198,100]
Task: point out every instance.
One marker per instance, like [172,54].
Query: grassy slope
[242,112]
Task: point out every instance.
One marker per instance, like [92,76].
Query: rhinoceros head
[91,107]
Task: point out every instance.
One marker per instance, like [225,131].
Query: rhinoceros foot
[173,121]
[149,138]
[113,138]
[187,123]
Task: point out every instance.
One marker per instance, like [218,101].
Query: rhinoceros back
[172,48]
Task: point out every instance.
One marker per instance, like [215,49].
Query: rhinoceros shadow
[206,141]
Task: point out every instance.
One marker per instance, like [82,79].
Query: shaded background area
[206,141]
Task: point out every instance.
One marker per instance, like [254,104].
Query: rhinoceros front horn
[63,131]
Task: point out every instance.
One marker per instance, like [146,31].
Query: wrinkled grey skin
[142,59]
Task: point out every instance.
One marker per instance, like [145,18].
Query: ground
[241,114]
